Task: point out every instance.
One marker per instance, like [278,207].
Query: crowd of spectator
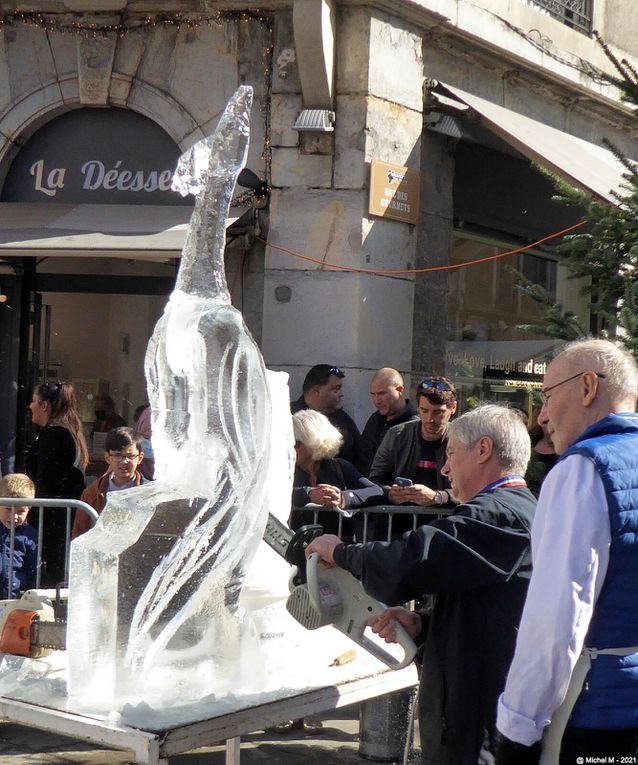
[396,460]
[512,654]
[56,468]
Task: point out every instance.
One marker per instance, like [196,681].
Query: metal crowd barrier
[390,511]
[43,504]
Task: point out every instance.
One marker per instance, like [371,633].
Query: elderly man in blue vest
[573,681]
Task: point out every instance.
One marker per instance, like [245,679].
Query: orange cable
[382,272]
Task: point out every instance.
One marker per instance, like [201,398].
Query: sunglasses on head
[337,372]
[50,391]
[439,385]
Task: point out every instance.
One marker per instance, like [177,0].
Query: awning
[578,162]
[144,231]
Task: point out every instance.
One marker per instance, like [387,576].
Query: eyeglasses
[543,394]
[337,372]
[439,385]
[122,457]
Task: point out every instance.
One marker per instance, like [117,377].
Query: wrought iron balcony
[574,13]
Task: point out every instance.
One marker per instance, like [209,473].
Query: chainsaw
[322,596]
[318,597]
[28,626]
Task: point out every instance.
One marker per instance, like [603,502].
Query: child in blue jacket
[25,545]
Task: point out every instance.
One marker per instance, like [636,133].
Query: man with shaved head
[573,681]
[386,392]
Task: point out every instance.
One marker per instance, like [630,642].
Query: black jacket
[51,464]
[351,447]
[477,563]
[399,454]
[375,429]
[357,490]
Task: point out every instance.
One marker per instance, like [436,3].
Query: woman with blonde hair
[329,481]
[56,464]
[323,479]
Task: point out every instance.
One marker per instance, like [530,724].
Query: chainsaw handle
[403,639]
[312,579]
[354,625]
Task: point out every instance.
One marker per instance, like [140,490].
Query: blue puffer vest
[609,699]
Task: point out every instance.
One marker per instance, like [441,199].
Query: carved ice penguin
[155,585]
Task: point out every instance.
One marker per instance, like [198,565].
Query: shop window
[487,355]
[483,302]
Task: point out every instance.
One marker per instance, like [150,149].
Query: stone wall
[503,50]
[178,77]
[319,209]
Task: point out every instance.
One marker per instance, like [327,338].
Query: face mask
[100,414]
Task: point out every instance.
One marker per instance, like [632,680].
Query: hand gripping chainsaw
[321,596]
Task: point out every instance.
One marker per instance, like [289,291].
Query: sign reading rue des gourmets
[394,192]
[96,156]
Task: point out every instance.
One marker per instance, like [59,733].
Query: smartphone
[402,481]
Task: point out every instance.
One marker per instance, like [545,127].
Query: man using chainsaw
[574,678]
[477,563]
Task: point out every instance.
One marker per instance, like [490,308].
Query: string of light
[124,23]
[431,269]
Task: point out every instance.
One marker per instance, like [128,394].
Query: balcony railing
[573,13]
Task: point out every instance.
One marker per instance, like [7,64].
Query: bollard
[384,724]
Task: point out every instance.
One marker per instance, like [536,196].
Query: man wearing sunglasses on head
[416,450]
[323,391]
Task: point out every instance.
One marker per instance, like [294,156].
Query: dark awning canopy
[580,163]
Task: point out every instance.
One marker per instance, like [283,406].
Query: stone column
[433,249]
[319,209]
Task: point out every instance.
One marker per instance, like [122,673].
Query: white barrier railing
[43,504]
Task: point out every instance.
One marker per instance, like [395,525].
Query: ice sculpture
[155,585]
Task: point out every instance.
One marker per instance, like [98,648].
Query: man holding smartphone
[415,451]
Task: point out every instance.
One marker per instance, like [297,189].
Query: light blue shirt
[570,552]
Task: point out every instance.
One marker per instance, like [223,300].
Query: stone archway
[24,117]
[71,72]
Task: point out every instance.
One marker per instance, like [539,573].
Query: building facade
[394,139]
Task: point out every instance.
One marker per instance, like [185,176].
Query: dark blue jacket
[609,700]
[24,559]
[477,562]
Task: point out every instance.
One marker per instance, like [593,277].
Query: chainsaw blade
[49,635]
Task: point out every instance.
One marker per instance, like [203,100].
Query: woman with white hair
[329,481]
[322,479]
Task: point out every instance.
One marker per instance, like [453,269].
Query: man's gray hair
[606,358]
[503,426]
[317,433]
